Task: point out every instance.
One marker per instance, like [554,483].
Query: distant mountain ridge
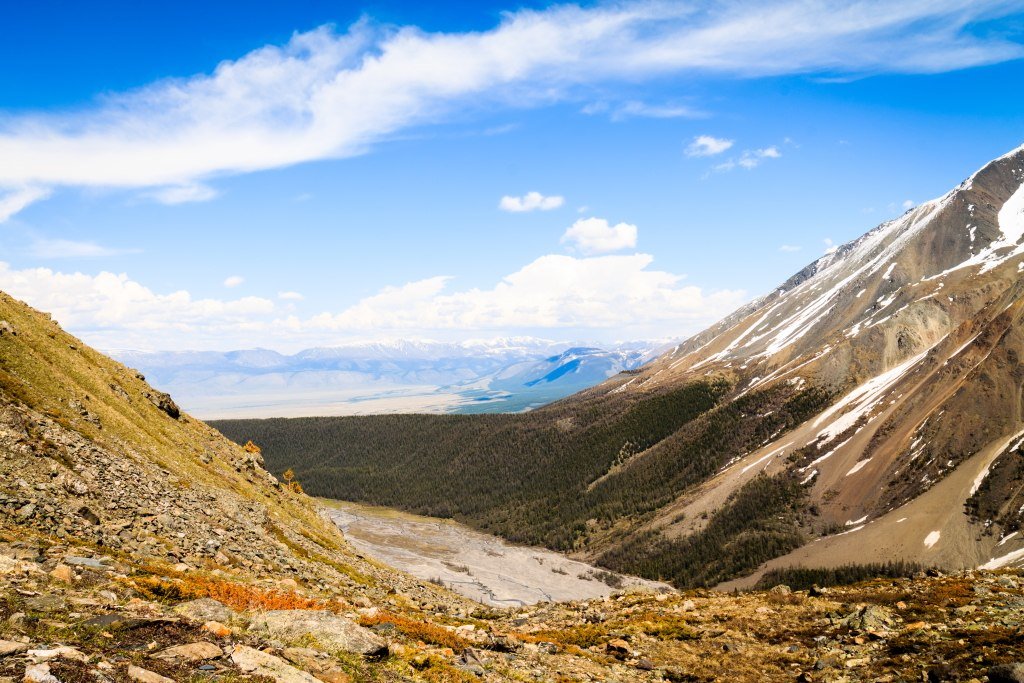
[505,374]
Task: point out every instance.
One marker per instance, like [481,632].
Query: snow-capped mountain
[916,330]
[503,374]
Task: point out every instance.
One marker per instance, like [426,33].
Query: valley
[481,567]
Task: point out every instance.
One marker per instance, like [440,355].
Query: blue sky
[309,173]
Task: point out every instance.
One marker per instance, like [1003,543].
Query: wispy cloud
[707,146]
[531,201]
[330,95]
[290,296]
[789,248]
[233,281]
[17,199]
[749,159]
[596,236]
[639,109]
[184,194]
[61,248]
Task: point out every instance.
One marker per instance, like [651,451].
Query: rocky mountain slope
[869,409]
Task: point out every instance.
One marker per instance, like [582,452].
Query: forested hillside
[566,477]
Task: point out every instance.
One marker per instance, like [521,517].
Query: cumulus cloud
[114,311]
[326,94]
[596,236]
[551,292]
[908,204]
[531,201]
[233,281]
[707,146]
[619,293]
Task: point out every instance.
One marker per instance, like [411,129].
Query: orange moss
[235,595]
[418,630]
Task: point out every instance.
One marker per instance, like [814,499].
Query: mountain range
[497,375]
[868,409]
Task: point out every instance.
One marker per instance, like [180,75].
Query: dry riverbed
[479,566]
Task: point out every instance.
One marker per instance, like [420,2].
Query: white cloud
[330,95]
[16,200]
[553,291]
[750,159]
[908,204]
[184,194]
[789,248]
[620,294]
[707,146]
[290,296]
[638,109]
[234,281]
[830,246]
[61,248]
[113,311]
[596,236]
[531,201]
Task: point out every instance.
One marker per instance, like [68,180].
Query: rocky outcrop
[330,632]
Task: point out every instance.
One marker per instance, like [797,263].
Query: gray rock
[252,661]
[870,618]
[89,562]
[1007,673]
[6,329]
[204,610]
[329,630]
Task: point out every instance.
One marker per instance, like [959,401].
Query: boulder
[252,661]
[1007,673]
[204,610]
[329,630]
[10,647]
[165,403]
[6,329]
[140,675]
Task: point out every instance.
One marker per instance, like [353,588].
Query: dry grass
[418,630]
[237,596]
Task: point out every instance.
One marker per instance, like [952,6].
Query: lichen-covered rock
[330,631]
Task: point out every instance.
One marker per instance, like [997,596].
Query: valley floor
[482,567]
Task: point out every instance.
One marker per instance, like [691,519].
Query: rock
[10,647]
[89,562]
[329,630]
[6,329]
[61,652]
[317,663]
[39,673]
[252,661]
[137,673]
[204,610]
[618,648]
[64,573]
[217,629]
[688,606]
[192,652]
[1007,673]
[869,618]
[165,403]
[781,590]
